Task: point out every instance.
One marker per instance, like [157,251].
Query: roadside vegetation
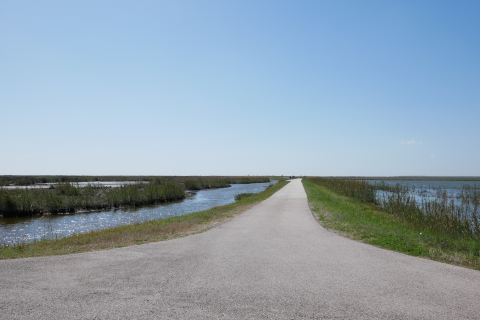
[411,178]
[11,180]
[435,229]
[69,197]
[200,183]
[139,233]
[240,196]
[32,180]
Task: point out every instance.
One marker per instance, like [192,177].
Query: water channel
[28,229]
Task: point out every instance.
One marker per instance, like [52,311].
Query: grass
[240,196]
[32,180]
[371,224]
[68,198]
[455,215]
[200,183]
[140,233]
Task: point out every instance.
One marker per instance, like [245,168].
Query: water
[429,190]
[109,184]
[22,230]
[448,184]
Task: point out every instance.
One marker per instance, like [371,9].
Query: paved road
[274,261]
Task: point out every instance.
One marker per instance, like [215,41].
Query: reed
[357,189]
[241,196]
[203,183]
[138,233]
[69,198]
[370,223]
[199,183]
[32,180]
[440,214]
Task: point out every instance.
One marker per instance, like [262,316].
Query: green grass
[140,233]
[240,196]
[370,224]
[200,183]
[441,215]
[66,197]
[31,180]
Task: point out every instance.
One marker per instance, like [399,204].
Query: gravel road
[273,261]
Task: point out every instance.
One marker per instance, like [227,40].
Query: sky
[324,88]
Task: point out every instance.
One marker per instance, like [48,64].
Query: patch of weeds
[241,196]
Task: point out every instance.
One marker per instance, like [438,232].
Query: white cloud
[432,156]
[411,141]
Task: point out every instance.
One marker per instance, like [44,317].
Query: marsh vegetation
[15,230]
[71,197]
[435,208]
[138,233]
[240,196]
[441,225]
[200,183]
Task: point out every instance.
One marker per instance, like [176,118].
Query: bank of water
[428,189]
[457,200]
[108,184]
[23,230]
[429,185]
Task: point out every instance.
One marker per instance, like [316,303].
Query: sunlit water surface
[429,190]
[22,230]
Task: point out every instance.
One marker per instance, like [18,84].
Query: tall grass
[440,214]
[241,196]
[69,198]
[138,233]
[32,180]
[202,183]
[199,183]
[357,189]
[370,223]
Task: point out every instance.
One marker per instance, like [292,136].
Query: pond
[28,229]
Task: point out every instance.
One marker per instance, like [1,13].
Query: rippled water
[20,230]
[110,184]
[430,184]
[428,189]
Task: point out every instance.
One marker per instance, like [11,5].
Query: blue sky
[359,88]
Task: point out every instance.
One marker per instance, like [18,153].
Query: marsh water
[428,189]
[28,229]
[109,184]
